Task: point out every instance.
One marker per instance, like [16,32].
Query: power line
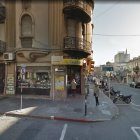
[108,9]
[117,35]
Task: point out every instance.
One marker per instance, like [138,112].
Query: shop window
[33,79]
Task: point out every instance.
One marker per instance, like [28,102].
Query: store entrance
[2,78]
[74,72]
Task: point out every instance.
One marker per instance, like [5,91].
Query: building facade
[43,44]
[120,61]
[133,67]
[120,65]
[122,57]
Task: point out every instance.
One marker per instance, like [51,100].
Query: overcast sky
[116,28]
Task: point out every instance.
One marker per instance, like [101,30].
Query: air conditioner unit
[9,56]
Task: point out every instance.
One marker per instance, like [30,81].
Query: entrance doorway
[74,72]
[2,78]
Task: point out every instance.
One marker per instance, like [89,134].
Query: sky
[116,28]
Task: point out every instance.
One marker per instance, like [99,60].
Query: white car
[132,84]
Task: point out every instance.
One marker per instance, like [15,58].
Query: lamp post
[86,94]
[85,84]
[22,71]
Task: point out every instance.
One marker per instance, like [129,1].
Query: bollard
[86,94]
[85,105]
[21,98]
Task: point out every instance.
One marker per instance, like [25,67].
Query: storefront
[53,80]
[33,80]
[71,70]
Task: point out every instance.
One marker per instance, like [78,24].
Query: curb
[43,97]
[83,120]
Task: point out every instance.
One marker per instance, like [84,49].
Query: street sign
[23,69]
[107,68]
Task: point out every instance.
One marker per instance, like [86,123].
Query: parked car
[132,84]
[135,84]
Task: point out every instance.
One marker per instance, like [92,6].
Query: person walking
[96,92]
[73,87]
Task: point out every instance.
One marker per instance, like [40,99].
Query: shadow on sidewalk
[73,108]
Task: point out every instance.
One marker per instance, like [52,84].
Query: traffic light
[91,66]
[84,64]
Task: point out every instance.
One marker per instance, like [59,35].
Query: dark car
[135,84]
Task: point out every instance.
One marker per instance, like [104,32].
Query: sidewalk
[72,109]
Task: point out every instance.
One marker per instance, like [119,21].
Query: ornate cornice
[31,54]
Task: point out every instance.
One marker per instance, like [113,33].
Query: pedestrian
[73,87]
[96,92]
[102,83]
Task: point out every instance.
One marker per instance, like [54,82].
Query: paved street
[125,127]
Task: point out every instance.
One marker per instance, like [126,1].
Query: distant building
[120,61]
[122,57]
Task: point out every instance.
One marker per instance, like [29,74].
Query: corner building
[43,44]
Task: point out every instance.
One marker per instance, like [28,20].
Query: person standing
[96,92]
[73,87]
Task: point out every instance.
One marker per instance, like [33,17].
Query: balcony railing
[2,46]
[2,14]
[73,6]
[78,44]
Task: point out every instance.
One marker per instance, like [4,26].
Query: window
[26,31]
[26,25]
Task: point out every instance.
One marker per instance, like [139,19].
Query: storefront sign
[56,58]
[78,62]
[107,68]
[59,83]
[10,84]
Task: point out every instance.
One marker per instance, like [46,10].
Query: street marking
[63,132]
[106,112]
[135,108]
[122,104]
[134,104]
[135,132]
